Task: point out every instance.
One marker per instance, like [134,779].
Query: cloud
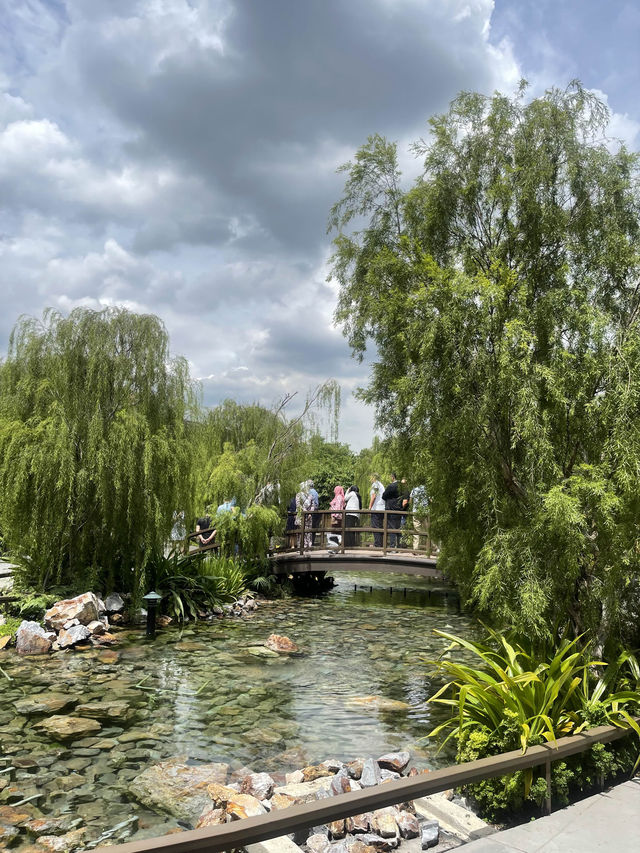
[179,156]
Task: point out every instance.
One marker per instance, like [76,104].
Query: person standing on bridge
[392,501]
[315,518]
[353,507]
[304,507]
[376,505]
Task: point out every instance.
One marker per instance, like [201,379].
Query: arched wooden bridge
[388,541]
[330,542]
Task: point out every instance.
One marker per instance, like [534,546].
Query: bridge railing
[385,530]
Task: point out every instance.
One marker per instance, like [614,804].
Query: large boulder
[177,788]
[84,608]
[32,639]
[68,728]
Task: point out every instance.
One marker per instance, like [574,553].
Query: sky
[179,157]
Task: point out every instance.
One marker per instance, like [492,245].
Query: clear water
[199,693]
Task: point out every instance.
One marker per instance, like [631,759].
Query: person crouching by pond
[353,507]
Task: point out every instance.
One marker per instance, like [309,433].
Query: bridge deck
[369,559]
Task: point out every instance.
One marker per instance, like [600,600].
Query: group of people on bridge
[396,499]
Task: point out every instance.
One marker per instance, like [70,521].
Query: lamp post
[152,598]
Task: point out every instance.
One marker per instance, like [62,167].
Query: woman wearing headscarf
[304,507]
[337,505]
[353,507]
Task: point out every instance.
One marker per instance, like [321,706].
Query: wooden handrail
[274,824]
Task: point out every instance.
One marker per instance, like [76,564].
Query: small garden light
[152,598]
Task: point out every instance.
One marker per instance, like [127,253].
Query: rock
[68,728]
[295,777]
[281,644]
[354,845]
[261,652]
[4,641]
[32,639]
[244,805]
[408,824]
[429,834]
[354,768]
[45,703]
[342,784]
[318,843]
[396,761]
[116,618]
[62,843]
[359,823]
[114,603]
[177,788]
[383,823]
[370,775]
[70,624]
[379,843]
[162,621]
[315,771]
[259,785]
[332,765]
[73,636]
[116,711]
[83,607]
[305,792]
[386,775]
[105,639]
[279,802]
[10,816]
[377,703]
[337,828]
[214,817]
[8,835]
[96,628]
[48,825]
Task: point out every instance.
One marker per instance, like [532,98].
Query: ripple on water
[199,693]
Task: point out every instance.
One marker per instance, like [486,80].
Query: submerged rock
[45,703]
[261,652]
[32,639]
[73,840]
[68,728]
[377,703]
[178,788]
[280,644]
[116,711]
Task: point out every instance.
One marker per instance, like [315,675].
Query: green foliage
[528,692]
[10,626]
[94,450]
[247,534]
[191,585]
[33,605]
[331,464]
[500,292]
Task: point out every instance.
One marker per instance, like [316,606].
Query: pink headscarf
[338,501]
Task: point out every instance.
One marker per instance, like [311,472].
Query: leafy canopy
[502,294]
[94,446]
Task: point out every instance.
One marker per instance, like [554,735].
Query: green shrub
[526,693]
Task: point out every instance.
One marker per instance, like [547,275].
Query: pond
[207,694]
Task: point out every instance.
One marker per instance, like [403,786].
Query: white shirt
[352,502]
[377,489]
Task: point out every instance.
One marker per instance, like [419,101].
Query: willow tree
[502,293]
[94,448]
